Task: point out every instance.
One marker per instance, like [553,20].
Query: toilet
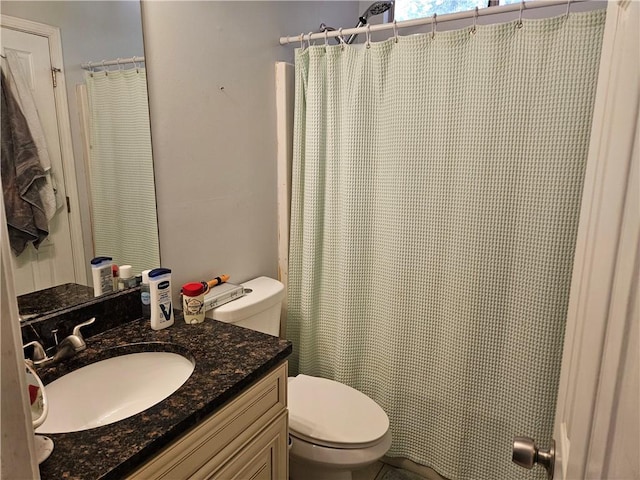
[333,428]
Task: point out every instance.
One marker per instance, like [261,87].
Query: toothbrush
[218,281]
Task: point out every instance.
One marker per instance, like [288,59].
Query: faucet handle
[38,351]
[76,329]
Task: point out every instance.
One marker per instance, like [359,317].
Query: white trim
[64,128]
[17,428]
[620,317]
[284,122]
[82,101]
[604,259]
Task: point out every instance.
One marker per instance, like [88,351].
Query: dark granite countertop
[52,299]
[227,360]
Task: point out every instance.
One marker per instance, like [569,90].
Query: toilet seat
[331,414]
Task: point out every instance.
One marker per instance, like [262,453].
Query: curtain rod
[107,63]
[522,6]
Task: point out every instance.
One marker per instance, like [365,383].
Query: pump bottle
[145,295]
[160,297]
[102,275]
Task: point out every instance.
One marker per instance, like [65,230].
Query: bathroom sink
[112,390]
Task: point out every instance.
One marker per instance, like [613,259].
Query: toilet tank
[258,310]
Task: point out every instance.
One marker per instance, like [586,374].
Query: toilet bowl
[333,428]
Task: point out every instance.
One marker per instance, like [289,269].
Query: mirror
[106,213]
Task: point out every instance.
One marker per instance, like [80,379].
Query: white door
[52,263]
[597,427]
[597,418]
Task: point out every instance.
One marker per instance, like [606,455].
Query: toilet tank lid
[265,292]
[330,412]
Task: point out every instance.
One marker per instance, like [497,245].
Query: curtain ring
[434,25]
[309,39]
[519,24]
[341,38]
[106,70]
[475,22]
[90,67]
[568,5]
[326,38]
[395,30]
[302,41]
[368,42]
[120,67]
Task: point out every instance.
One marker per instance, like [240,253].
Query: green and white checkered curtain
[123,197]
[435,204]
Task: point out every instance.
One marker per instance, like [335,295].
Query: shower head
[376,8]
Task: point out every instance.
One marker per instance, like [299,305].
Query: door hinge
[68,205]
[54,71]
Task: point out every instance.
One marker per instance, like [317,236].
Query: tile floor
[378,470]
[369,473]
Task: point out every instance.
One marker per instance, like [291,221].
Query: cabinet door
[222,436]
[265,458]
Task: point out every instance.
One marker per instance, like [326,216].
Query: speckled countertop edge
[227,360]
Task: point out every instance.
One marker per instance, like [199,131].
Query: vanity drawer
[264,458]
[224,434]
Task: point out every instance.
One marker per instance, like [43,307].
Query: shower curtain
[121,168]
[435,202]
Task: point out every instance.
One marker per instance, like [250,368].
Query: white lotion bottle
[160,297]
[102,275]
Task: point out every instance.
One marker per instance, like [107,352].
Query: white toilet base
[313,462]
[307,471]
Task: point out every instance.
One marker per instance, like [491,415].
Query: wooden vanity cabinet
[246,439]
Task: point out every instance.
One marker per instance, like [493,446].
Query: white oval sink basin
[112,390]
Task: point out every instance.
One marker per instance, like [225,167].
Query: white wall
[90,30]
[211,78]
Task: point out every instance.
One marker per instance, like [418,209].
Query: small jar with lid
[193,302]
[126,277]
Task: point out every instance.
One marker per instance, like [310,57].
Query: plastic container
[102,275]
[115,271]
[145,296]
[160,298]
[193,302]
[126,278]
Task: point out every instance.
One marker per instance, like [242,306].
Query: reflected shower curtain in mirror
[435,202]
[121,168]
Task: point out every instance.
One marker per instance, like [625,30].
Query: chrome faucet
[67,348]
